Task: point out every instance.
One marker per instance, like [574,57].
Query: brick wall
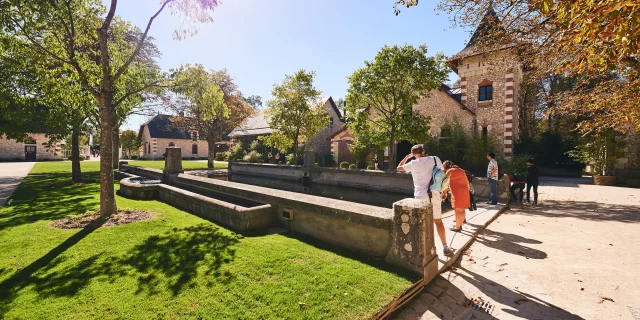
[440,106]
[499,115]
[13,150]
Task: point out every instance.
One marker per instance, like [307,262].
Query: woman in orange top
[459,187]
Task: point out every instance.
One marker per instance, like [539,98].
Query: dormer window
[485,93]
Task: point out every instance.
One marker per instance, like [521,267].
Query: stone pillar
[172,163]
[412,238]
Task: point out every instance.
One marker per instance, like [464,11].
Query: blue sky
[260,41]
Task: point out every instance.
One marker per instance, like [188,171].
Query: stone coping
[339,209]
[241,210]
[326,169]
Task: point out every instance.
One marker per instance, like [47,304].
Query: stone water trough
[402,235]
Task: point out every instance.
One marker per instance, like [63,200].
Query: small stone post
[172,163]
[412,238]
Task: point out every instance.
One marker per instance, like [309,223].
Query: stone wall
[440,106]
[321,143]
[11,150]
[158,146]
[503,71]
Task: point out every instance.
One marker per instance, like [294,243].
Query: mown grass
[94,166]
[175,266]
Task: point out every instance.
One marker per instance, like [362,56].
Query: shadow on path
[586,210]
[510,243]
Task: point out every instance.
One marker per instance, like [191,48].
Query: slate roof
[258,124]
[254,125]
[160,127]
[455,94]
[487,31]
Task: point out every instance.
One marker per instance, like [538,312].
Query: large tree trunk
[76,173]
[107,193]
[392,149]
[116,145]
[211,144]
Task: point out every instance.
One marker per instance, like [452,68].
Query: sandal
[455,230]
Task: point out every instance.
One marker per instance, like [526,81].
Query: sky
[260,41]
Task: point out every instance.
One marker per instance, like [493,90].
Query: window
[194,149]
[485,93]
[194,135]
[330,122]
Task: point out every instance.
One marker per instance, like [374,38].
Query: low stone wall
[143,172]
[403,236]
[364,180]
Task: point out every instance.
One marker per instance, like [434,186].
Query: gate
[30,153]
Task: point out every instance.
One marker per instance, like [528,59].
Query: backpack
[470,175]
[437,174]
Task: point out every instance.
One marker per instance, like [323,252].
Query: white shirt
[421,170]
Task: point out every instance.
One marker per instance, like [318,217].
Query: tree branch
[124,67]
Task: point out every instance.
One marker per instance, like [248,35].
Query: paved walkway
[11,173]
[573,257]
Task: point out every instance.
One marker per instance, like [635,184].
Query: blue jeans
[493,184]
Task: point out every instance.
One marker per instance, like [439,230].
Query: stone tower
[490,74]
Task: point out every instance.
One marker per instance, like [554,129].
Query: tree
[62,29]
[130,142]
[570,37]
[294,114]
[382,93]
[214,104]
[254,100]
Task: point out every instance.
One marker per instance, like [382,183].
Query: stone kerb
[412,239]
[172,163]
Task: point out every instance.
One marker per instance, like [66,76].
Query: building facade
[34,148]
[159,133]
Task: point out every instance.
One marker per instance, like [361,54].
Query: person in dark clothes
[517,181]
[533,179]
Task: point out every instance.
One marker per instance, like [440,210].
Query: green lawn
[176,266]
[94,166]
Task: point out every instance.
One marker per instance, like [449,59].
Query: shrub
[344,165]
[253,156]
[517,164]
[219,156]
[325,160]
[290,158]
[238,151]
[316,164]
[226,156]
[353,166]
[255,146]
[370,168]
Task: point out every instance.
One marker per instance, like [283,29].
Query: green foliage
[370,167]
[316,164]
[360,151]
[291,159]
[255,146]
[517,164]
[353,166]
[467,150]
[130,141]
[382,93]
[344,165]
[254,157]
[295,113]
[220,156]
[238,151]
[550,150]
[325,160]
[600,151]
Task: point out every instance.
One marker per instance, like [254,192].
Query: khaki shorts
[436,203]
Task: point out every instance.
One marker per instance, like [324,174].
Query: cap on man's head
[417,149]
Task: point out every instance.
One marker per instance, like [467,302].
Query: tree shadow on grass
[372,261]
[48,198]
[170,261]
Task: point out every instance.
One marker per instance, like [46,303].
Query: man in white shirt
[421,170]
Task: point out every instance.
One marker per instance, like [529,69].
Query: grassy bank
[175,266]
[94,166]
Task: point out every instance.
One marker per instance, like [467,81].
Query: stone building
[34,148]
[486,101]
[490,84]
[158,133]
[258,125]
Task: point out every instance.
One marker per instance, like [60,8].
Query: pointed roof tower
[490,35]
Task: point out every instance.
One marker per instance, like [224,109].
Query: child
[517,181]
